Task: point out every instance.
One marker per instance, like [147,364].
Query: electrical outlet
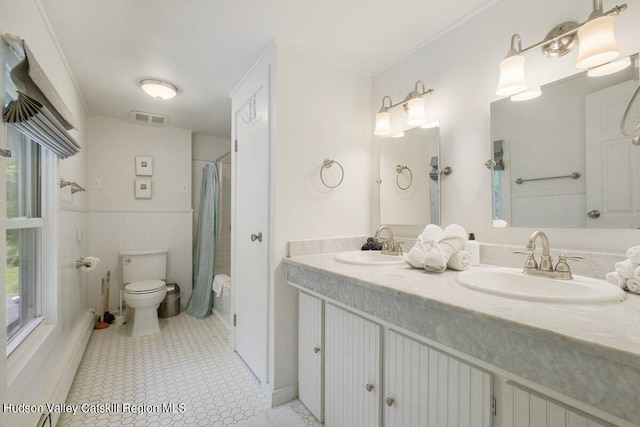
[78,235]
[96,183]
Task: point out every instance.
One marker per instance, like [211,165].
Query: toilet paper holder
[86,262]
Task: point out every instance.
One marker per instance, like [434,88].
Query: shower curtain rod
[223,156]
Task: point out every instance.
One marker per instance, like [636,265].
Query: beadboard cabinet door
[526,408]
[310,353]
[425,387]
[353,370]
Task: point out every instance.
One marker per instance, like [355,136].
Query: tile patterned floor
[189,364]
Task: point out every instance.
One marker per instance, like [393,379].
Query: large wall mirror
[409,177]
[560,160]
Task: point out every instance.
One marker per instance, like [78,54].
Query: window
[24,237]
[25,225]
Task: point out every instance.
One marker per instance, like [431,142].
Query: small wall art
[143,188]
[144,166]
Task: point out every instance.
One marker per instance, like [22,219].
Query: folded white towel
[500,223]
[424,243]
[451,242]
[616,279]
[633,253]
[431,233]
[416,253]
[626,268]
[633,285]
[459,261]
[218,281]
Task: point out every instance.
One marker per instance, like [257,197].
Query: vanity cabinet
[353,369]
[426,387]
[525,407]
[311,353]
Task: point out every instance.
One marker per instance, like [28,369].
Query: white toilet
[144,274]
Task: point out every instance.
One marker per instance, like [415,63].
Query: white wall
[43,367]
[119,221]
[462,67]
[322,111]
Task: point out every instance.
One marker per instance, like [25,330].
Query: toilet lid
[145,286]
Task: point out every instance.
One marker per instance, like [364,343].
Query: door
[310,353]
[613,182]
[353,365]
[251,221]
[427,388]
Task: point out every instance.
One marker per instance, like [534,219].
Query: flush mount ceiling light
[158,89]
[413,104]
[595,38]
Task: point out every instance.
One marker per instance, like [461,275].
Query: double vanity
[381,343]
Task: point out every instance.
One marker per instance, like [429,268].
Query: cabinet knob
[389,401]
[369,387]
[316,350]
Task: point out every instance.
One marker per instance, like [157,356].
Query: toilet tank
[144,265]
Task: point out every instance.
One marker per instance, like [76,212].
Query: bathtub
[222,306]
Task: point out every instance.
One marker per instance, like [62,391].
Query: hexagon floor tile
[187,375]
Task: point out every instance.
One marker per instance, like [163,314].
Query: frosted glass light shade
[417,115]
[597,42]
[527,94]
[159,89]
[383,124]
[609,67]
[512,79]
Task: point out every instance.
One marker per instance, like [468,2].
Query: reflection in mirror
[410,182]
[561,159]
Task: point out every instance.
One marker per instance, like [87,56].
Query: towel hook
[327,164]
[399,170]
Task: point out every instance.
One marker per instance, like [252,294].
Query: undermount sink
[368,258]
[512,283]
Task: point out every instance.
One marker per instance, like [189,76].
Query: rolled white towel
[460,260]
[636,273]
[626,268]
[417,252]
[431,233]
[633,285]
[633,253]
[451,242]
[615,278]
[424,243]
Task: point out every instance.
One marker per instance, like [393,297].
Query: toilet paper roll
[89,263]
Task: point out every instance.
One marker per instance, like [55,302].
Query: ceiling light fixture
[158,89]
[609,67]
[595,37]
[413,104]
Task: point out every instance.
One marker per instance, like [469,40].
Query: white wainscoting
[566,210]
[113,231]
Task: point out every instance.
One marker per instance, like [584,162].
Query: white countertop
[611,331]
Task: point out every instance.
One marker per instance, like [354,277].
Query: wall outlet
[78,235]
[96,183]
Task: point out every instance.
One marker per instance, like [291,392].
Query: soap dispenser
[473,247]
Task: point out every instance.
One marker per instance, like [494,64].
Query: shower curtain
[201,300]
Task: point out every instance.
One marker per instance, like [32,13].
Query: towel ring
[327,164]
[399,170]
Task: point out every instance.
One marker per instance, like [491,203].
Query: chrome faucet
[389,245]
[562,270]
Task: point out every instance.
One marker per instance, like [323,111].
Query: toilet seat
[145,286]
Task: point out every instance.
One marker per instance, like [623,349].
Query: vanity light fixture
[158,89]
[413,104]
[398,135]
[595,37]
[609,67]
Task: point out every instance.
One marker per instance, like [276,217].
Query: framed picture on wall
[143,188]
[144,166]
